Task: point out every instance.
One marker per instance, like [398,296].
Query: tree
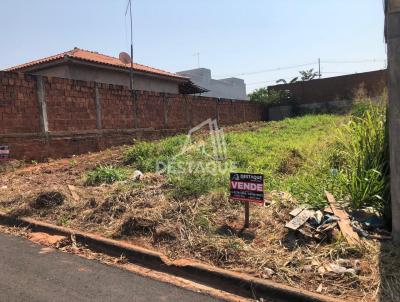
[265,96]
[283,81]
[308,75]
[259,95]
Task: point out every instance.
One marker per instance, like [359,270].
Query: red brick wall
[117,107]
[177,111]
[19,109]
[72,115]
[150,110]
[202,109]
[70,104]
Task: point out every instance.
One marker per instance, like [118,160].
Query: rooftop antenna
[129,6]
[197,54]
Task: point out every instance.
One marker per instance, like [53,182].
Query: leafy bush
[105,174]
[270,97]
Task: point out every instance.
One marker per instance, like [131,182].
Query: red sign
[247,187]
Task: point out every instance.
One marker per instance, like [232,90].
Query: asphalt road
[27,274]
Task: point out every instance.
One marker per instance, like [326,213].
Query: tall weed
[361,155]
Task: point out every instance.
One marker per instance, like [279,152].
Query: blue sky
[234,37]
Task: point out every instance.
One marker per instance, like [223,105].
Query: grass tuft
[105,174]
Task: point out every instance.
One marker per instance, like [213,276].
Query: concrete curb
[236,283]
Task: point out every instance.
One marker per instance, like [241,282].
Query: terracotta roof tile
[95,57]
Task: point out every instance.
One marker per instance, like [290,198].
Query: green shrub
[105,174]
[270,97]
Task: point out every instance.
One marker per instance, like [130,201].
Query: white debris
[318,217]
[337,269]
[137,175]
[268,272]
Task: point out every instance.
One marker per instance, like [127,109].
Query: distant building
[80,64]
[230,88]
[345,87]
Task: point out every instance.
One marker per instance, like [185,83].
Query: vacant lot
[187,214]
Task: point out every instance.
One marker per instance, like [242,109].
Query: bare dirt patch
[46,239]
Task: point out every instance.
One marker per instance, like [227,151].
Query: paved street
[28,275]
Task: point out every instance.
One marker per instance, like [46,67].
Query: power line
[354,62]
[341,72]
[303,65]
[270,70]
[256,83]
[290,78]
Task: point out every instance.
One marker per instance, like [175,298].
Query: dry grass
[209,229]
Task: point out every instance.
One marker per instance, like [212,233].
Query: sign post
[247,188]
[246,214]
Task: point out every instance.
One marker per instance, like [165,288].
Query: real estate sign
[247,187]
[4,153]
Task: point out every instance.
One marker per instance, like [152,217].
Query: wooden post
[392,30]
[246,214]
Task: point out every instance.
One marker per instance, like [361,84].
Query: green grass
[292,154]
[105,174]
[146,155]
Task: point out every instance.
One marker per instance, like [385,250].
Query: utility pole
[392,33]
[131,69]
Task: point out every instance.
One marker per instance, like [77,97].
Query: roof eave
[70,59]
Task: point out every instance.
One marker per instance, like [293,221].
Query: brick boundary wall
[42,117]
[335,88]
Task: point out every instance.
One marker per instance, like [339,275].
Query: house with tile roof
[80,64]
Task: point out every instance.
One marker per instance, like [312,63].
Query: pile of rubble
[325,224]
